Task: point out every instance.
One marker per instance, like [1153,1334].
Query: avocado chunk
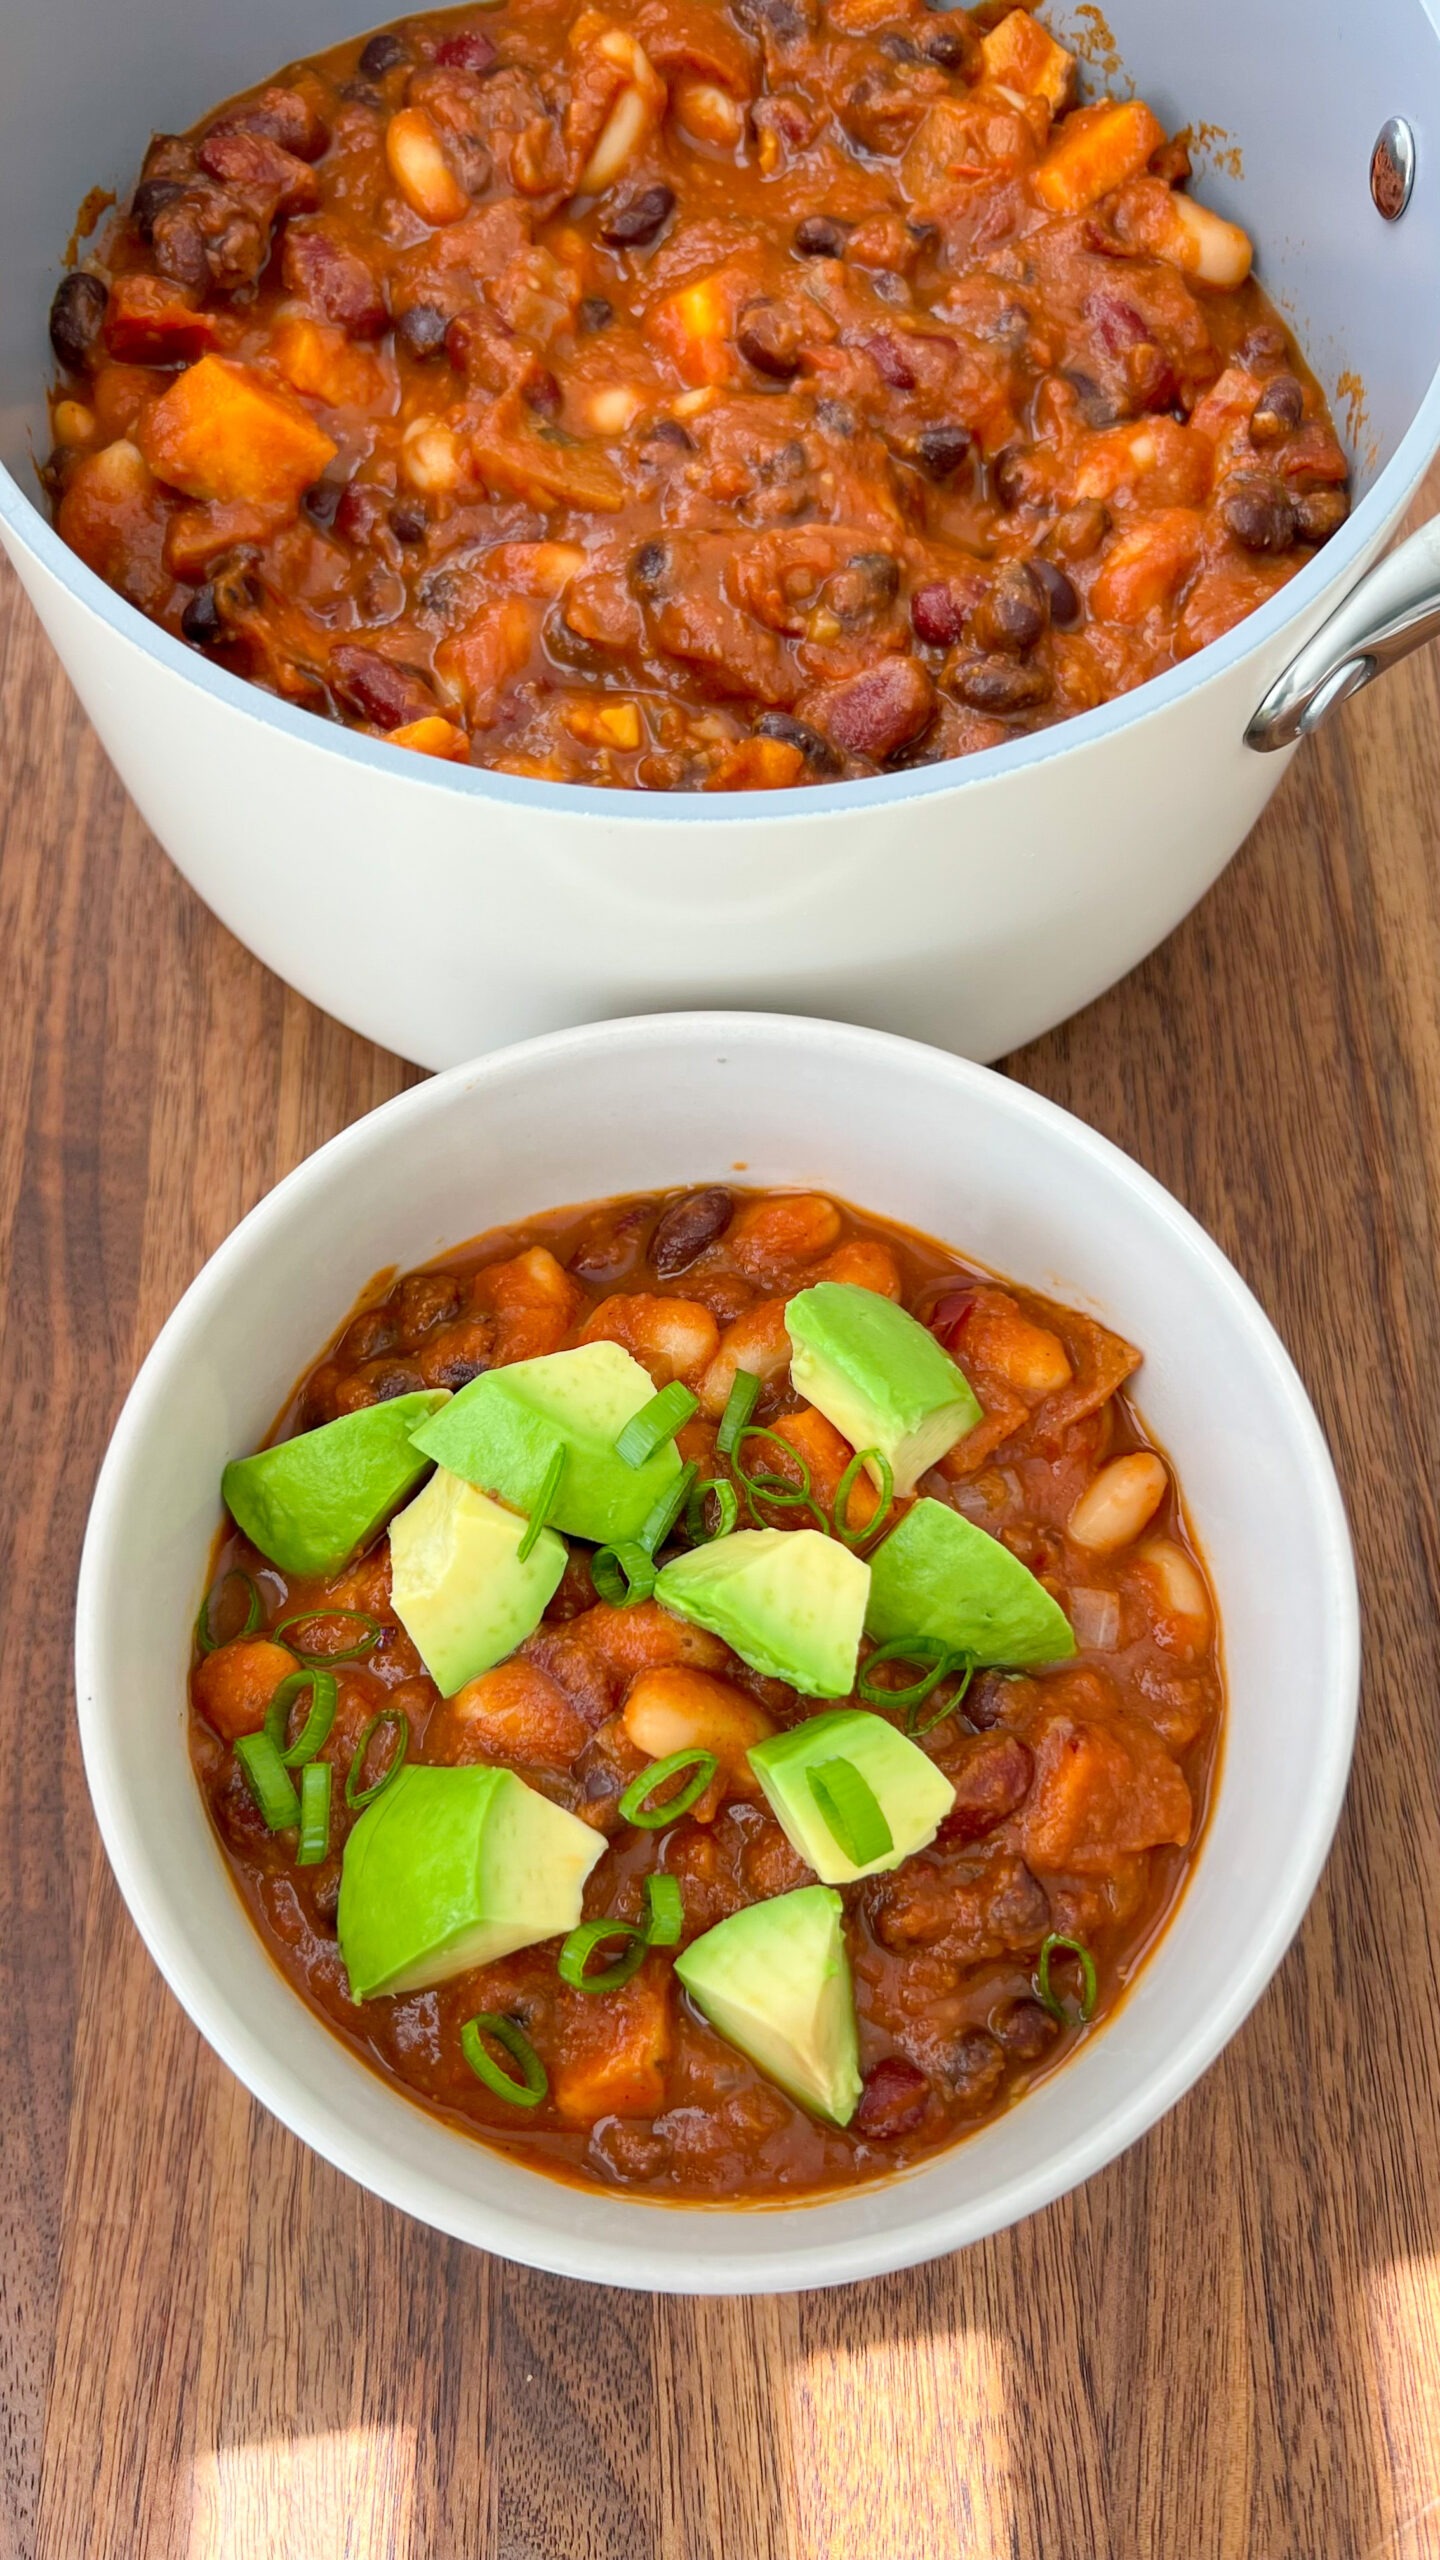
[310,1502]
[938,1575]
[911,1794]
[774,1980]
[790,1602]
[452,1868]
[500,1432]
[876,1373]
[457,1584]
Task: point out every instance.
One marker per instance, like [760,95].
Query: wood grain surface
[1226,2347]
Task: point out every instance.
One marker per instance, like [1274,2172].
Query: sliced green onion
[623,1574]
[918,1723]
[1044,1990]
[544,1501]
[206,1639]
[852,1811]
[355,1795]
[696,1527]
[314,1814]
[666,1906]
[778,1490]
[315,1731]
[635,1805]
[739,1405]
[885,1502]
[647,1431]
[904,1649]
[581,1944]
[268,1780]
[372,1631]
[534,2080]
[662,1518]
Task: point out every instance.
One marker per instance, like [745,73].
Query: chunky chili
[698,397]
[1063,1797]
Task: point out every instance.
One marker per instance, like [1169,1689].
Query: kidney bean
[942,449]
[768,339]
[687,1227]
[992,1780]
[938,613]
[542,393]
[260,173]
[975,2069]
[469,49]
[325,272]
[383,53]
[1000,685]
[893,2100]
[281,115]
[878,711]
[1025,2030]
[890,361]
[378,690]
[201,621]
[1319,513]
[820,236]
[1258,513]
[77,315]
[638,220]
[1015,613]
[1280,409]
[817,751]
[1059,591]
[359,511]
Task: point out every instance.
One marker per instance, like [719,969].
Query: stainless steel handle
[1393,611]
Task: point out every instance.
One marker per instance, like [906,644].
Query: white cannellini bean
[418,165]
[1118,1503]
[708,113]
[610,409]
[1182,1592]
[625,128]
[1218,252]
[430,457]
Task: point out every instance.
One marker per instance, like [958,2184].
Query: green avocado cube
[457,1583]
[912,1794]
[879,1376]
[938,1575]
[774,1980]
[310,1503]
[500,1433]
[453,1868]
[790,1602]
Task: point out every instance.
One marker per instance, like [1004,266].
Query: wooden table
[1227,2347]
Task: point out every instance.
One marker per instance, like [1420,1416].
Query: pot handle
[1394,610]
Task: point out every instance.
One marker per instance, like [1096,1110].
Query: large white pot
[930,1140]
[443,910]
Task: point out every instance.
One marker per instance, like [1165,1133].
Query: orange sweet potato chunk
[1095,150]
[222,434]
[613,2050]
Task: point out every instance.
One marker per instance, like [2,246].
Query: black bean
[1319,513]
[820,237]
[817,751]
[1060,595]
[151,197]
[200,621]
[768,339]
[636,222]
[1015,613]
[77,315]
[943,449]
[421,329]
[383,53]
[901,48]
[1000,685]
[1258,512]
[1278,411]
[1007,472]
[594,313]
[687,1227]
[955,48]
[670,431]
[321,501]
[650,566]
[408,520]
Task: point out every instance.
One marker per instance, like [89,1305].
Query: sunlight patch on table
[343,2495]
[903,2444]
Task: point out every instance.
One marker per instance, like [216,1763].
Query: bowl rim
[834,2258]
[1332,568]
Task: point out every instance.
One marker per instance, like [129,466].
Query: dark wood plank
[1228,2343]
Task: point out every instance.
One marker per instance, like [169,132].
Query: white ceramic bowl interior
[907,1131]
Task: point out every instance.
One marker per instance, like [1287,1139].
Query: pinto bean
[1025,2030]
[639,220]
[820,236]
[324,271]
[999,685]
[1319,513]
[893,2100]
[687,1227]
[1015,613]
[991,1782]
[1259,513]
[880,710]
[77,315]
[769,339]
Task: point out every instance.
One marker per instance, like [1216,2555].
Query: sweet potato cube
[613,2051]
[1096,149]
[693,327]
[604,724]
[1148,565]
[433,736]
[220,433]
[1020,55]
[318,358]
[514,461]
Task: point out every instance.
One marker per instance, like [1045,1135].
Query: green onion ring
[544,1501]
[661,1520]
[206,1640]
[905,1649]
[315,1732]
[739,1405]
[349,1653]
[647,1431]
[777,1490]
[357,1796]
[1044,1991]
[851,1811]
[884,1502]
[534,2081]
[314,1813]
[268,1780]
[666,1906]
[635,1805]
[917,1724]
[623,1575]
[725,1496]
[581,1944]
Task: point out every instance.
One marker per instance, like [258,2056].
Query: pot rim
[1365,529]
[742,2262]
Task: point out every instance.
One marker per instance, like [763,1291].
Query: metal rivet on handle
[1392,168]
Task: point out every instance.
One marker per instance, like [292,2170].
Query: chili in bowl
[716,1693]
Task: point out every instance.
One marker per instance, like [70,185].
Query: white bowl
[919,1136]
